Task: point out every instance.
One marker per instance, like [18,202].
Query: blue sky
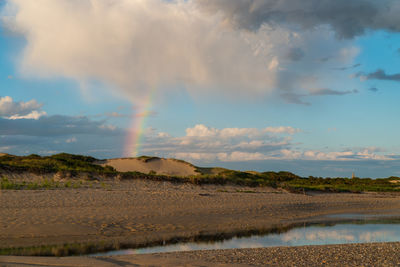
[231,87]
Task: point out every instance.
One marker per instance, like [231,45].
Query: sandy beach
[141,212]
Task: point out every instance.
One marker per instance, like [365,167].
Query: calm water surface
[382,230]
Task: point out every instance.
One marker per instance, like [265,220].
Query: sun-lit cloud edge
[206,144]
[115,43]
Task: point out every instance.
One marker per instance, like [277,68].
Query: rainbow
[134,137]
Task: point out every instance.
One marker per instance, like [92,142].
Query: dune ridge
[154,165]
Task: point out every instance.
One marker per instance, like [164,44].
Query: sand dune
[152,164]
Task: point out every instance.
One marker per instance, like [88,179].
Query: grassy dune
[69,167]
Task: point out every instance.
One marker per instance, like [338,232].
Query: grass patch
[354,185]
[147,158]
[68,163]
[60,250]
[6,184]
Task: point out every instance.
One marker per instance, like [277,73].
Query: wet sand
[140,212]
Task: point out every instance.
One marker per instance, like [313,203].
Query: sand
[374,254]
[141,211]
[158,165]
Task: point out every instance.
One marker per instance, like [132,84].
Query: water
[382,230]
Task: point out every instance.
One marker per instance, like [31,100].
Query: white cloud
[202,143]
[20,110]
[163,135]
[347,155]
[224,157]
[242,156]
[227,144]
[134,45]
[284,154]
[289,130]
[201,130]
[34,115]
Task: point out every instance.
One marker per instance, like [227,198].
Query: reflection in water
[310,235]
[342,234]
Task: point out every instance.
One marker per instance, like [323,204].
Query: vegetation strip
[69,166]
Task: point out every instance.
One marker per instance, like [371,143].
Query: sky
[306,86]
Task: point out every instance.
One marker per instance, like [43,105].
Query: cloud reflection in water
[311,235]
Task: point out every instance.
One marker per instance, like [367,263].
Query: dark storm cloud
[348,18]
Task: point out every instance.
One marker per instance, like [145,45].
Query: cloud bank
[58,125]
[26,129]
[346,18]
[21,133]
[205,144]
[134,45]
